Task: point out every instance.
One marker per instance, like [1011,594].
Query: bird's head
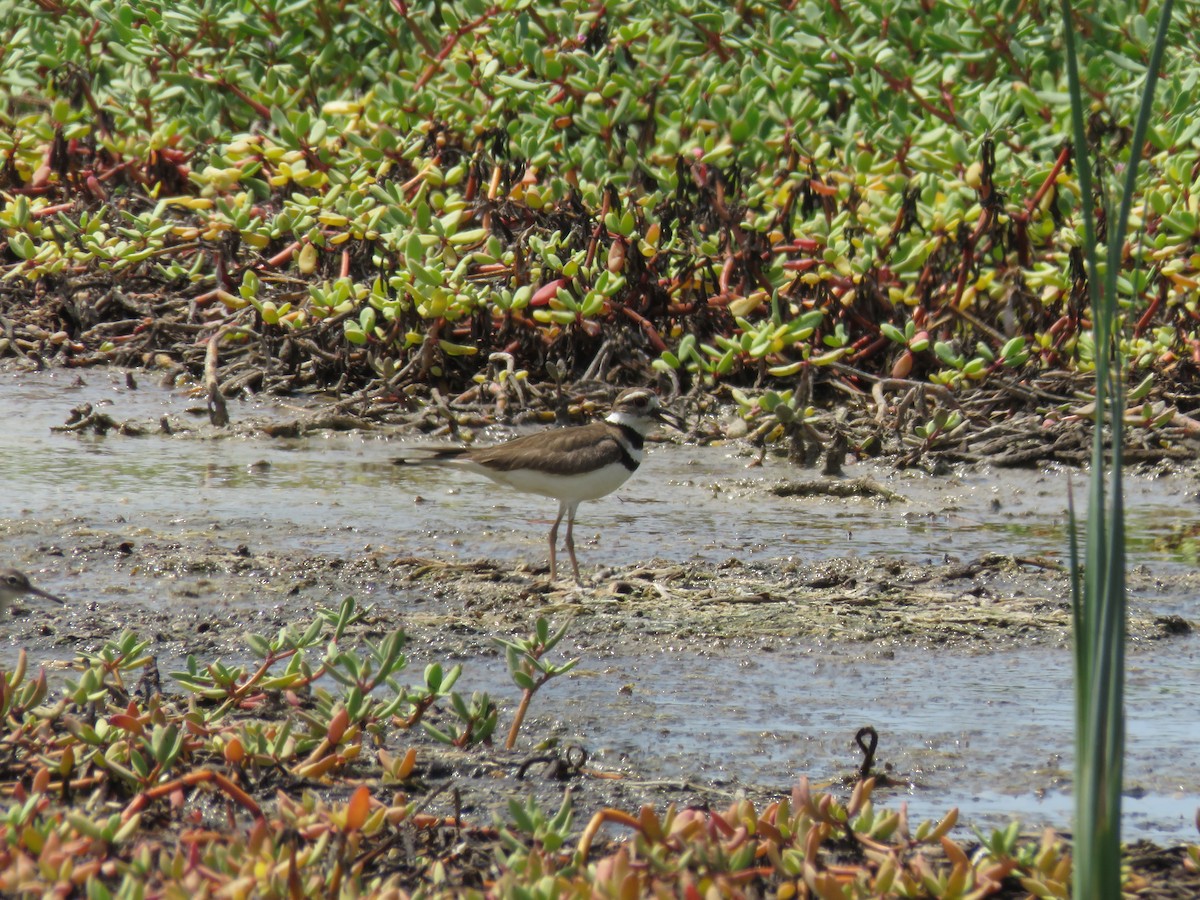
[640,408]
[15,583]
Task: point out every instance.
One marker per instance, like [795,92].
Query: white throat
[638,423]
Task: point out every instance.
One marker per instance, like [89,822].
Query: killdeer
[584,462]
[15,583]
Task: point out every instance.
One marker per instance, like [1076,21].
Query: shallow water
[989,732]
[335,493]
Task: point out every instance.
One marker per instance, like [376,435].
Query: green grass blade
[1099,598]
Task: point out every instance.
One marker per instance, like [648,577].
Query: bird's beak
[669,418]
[47,595]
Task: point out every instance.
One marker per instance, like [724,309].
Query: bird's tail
[429,456]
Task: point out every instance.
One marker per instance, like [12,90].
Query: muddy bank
[736,629]
[817,650]
[187,593]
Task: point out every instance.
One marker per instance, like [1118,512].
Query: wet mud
[736,626]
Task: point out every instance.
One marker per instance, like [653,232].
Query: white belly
[569,488]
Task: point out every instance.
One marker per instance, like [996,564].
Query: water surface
[988,731]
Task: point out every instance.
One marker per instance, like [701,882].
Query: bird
[581,462]
[14,583]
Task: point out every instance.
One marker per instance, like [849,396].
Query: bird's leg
[571,540]
[562,508]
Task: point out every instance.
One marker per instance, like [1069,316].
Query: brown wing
[558,450]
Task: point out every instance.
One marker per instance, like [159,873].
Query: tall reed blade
[1099,597]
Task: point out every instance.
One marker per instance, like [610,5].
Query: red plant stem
[726,273]
[258,108]
[518,718]
[607,814]
[431,339]
[51,210]
[871,349]
[448,45]
[799,245]
[598,230]
[191,779]
[284,256]
[1060,325]
[239,694]
[1160,298]
[863,341]
[906,86]
[652,334]
[402,8]
[1032,203]
[965,266]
